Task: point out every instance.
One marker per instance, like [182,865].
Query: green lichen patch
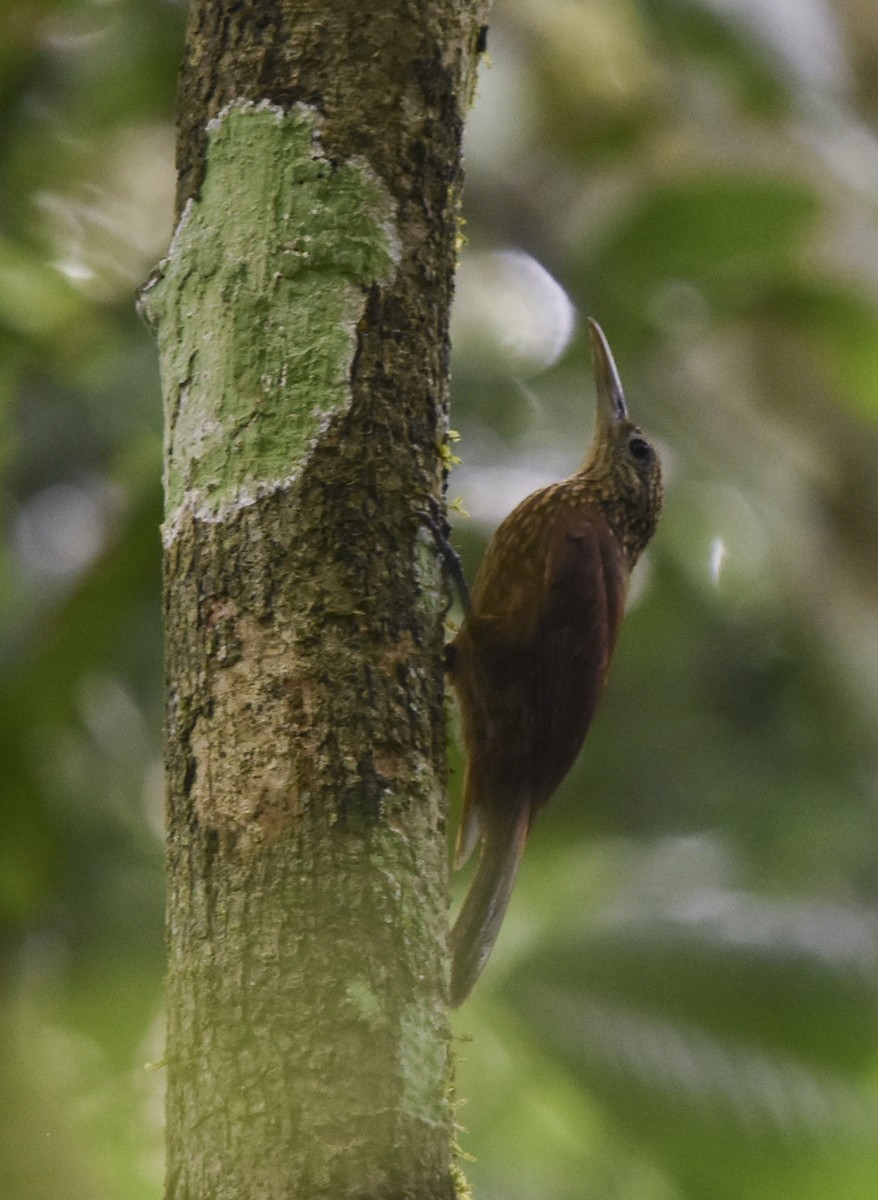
[366,1004]
[258,301]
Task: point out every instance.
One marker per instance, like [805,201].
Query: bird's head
[622,463]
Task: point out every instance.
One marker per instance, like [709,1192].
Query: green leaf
[842,326]
[698,34]
[727,236]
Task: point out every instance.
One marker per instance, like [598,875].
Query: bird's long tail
[475,930]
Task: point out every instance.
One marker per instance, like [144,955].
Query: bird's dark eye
[640,449]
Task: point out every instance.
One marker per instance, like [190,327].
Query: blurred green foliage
[684,1000]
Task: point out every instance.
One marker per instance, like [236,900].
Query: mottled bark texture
[302,317]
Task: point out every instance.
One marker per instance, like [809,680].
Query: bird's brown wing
[584,597]
[530,676]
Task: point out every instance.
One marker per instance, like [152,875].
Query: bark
[302,317]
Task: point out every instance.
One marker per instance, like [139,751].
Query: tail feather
[468,833]
[478,924]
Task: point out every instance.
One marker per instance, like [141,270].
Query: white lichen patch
[423,1064]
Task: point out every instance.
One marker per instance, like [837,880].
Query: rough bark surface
[307,1033]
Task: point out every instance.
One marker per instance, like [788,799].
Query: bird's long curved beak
[611,406]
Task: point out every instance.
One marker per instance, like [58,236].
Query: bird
[530,658]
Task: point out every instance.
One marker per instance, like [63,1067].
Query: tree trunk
[302,317]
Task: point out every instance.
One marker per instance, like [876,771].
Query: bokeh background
[684,1001]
